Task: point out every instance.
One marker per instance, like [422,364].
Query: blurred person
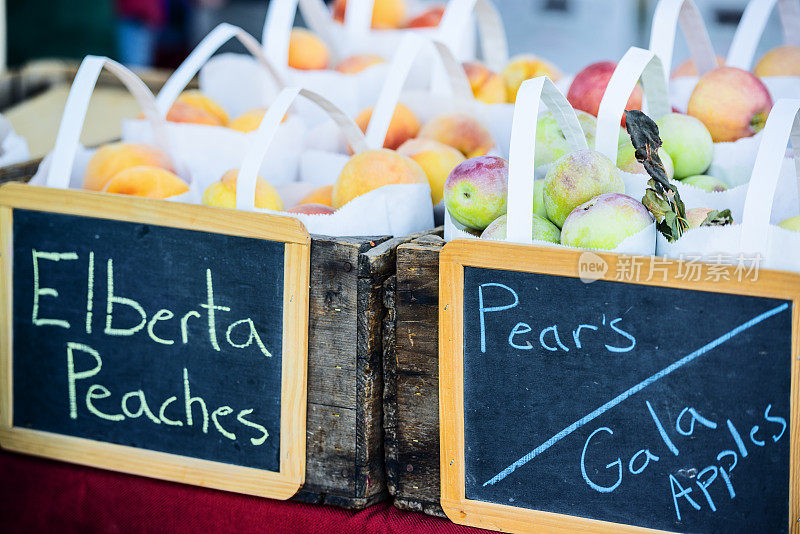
[140,23]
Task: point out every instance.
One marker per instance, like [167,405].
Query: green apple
[476,191]
[626,161]
[550,141]
[576,178]
[604,222]
[792,223]
[687,142]
[541,230]
[538,199]
[706,183]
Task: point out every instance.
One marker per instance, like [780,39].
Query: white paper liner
[14,150]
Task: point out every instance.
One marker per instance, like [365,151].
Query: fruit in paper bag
[476,192]
[541,230]
[311,209]
[222,194]
[550,141]
[780,61]
[696,216]
[688,143]
[487,86]
[460,131]
[706,183]
[576,178]
[604,222]
[322,195]
[148,182]
[626,161]
[307,51]
[372,169]
[538,199]
[731,102]
[386,14]
[196,108]
[524,67]
[110,159]
[403,126]
[436,159]
[590,84]
[430,18]
[359,62]
[792,223]
[687,68]
[249,121]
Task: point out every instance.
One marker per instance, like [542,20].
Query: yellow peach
[307,51]
[436,159]
[199,100]
[487,86]
[780,61]
[386,14]
[322,195]
[460,131]
[403,126]
[524,67]
[146,181]
[112,158]
[372,169]
[222,194]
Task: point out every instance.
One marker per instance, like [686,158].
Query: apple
[604,222]
[696,216]
[575,178]
[792,223]
[688,143]
[550,141]
[780,61]
[731,102]
[706,183]
[311,209]
[627,162]
[541,230]
[476,191]
[589,86]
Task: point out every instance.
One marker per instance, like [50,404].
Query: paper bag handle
[521,153]
[69,131]
[783,124]
[262,138]
[636,63]
[201,54]
[410,48]
[751,27]
[667,15]
[456,22]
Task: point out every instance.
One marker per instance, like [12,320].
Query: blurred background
[159,33]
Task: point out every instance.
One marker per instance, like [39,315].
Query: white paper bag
[522,166]
[65,166]
[14,148]
[396,210]
[732,162]
[772,196]
[217,149]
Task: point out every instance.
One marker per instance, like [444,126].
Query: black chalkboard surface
[658,407]
[143,336]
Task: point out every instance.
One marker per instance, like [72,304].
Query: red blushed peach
[357,63]
[460,131]
[372,169]
[590,84]
[311,209]
[323,195]
[430,18]
[487,86]
[524,67]
[403,126]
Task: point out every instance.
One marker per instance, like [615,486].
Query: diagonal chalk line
[635,389]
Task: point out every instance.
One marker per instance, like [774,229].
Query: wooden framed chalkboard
[161,339]
[608,393]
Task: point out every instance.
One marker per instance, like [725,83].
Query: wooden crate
[411,377]
[344,440]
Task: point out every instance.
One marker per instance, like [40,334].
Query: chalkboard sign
[656,401]
[162,339]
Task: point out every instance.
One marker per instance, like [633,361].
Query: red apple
[311,209]
[731,102]
[590,84]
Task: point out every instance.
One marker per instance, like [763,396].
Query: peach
[403,126]
[460,131]
[196,108]
[386,14]
[430,18]
[311,209]
[590,84]
[731,102]
[372,169]
[436,159]
[307,51]
[359,62]
[249,121]
[222,194]
[687,68]
[198,100]
[523,67]
[487,86]
[780,61]
[146,181]
[322,195]
[112,158]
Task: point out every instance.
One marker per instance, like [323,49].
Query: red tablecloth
[44,496]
